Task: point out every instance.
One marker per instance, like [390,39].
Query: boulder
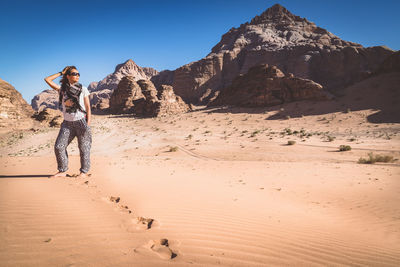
[159,103]
[265,85]
[121,101]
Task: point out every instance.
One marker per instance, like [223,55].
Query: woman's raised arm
[49,81]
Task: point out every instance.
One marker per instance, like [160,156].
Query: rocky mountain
[143,99]
[277,37]
[128,68]
[14,111]
[101,91]
[265,85]
[121,100]
[46,99]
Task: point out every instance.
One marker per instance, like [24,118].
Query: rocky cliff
[122,97]
[265,85]
[277,37]
[46,99]
[103,89]
[14,111]
[141,98]
[129,68]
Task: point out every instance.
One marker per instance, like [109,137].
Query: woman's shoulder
[85,91]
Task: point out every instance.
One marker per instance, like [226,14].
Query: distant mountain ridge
[128,68]
[277,37]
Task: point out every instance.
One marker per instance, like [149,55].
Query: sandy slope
[233,193]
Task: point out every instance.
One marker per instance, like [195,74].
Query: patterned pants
[68,131]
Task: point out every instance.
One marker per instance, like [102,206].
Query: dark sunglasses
[74,74]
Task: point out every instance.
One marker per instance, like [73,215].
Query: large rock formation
[277,37]
[129,68]
[14,111]
[390,64]
[141,98]
[100,100]
[92,86]
[109,84]
[265,85]
[46,99]
[122,97]
[159,103]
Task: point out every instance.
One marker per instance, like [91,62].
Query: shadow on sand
[26,176]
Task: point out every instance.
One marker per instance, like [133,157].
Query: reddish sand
[223,187]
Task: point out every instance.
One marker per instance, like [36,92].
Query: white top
[78,115]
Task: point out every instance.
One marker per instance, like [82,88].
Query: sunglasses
[74,74]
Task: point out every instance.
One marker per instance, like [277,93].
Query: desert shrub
[291,142]
[344,148]
[288,131]
[254,133]
[375,158]
[330,138]
[173,149]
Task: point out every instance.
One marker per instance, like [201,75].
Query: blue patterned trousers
[69,130]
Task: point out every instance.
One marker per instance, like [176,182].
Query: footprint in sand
[144,223]
[125,208]
[140,224]
[115,199]
[162,249]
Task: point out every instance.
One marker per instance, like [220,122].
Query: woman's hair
[64,82]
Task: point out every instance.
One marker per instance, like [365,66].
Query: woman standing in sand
[74,99]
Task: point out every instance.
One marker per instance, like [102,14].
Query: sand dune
[231,193]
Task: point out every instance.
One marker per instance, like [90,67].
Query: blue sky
[39,38]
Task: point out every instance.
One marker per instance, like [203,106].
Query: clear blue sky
[39,38]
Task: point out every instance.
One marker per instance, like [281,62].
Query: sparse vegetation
[344,148]
[375,158]
[330,138]
[254,133]
[173,149]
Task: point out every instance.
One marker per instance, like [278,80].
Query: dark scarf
[72,92]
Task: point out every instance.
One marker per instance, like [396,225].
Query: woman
[74,99]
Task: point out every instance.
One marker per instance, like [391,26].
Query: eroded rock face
[155,103]
[46,99]
[390,64]
[14,111]
[170,103]
[277,37]
[266,85]
[128,68]
[122,97]
[100,100]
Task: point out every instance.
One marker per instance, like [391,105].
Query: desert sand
[222,185]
